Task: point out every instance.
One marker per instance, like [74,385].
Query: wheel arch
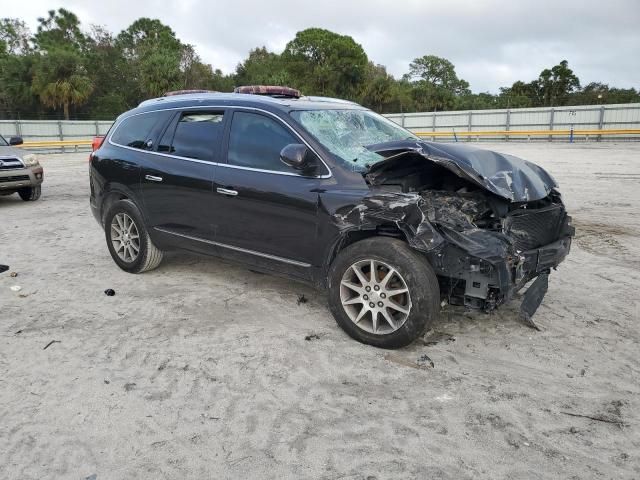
[114,192]
[349,237]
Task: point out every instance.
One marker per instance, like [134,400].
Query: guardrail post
[18,128]
[507,126]
[469,124]
[551,113]
[600,122]
[98,127]
[433,125]
[60,134]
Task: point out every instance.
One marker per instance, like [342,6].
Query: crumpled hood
[507,176]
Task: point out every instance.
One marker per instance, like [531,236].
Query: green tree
[59,80]
[155,55]
[596,93]
[377,90]
[60,29]
[262,67]
[321,62]
[554,86]
[112,77]
[519,95]
[14,37]
[16,62]
[435,83]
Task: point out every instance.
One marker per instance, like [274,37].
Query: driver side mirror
[298,156]
[13,141]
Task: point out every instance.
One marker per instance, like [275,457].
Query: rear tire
[403,293]
[128,240]
[30,194]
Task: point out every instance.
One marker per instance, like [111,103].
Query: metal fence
[530,123]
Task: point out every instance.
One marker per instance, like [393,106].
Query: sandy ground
[201,369]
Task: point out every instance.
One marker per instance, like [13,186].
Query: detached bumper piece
[533,298]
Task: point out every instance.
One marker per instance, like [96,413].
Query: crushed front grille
[531,229]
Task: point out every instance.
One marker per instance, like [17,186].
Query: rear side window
[256,140]
[195,135]
[135,131]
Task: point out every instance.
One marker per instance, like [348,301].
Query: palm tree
[60,81]
[74,90]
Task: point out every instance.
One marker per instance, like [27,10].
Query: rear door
[177,180]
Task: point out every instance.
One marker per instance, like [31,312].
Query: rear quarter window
[137,130]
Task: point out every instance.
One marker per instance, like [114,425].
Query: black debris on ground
[13,274]
[4,268]
[109,292]
[302,299]
[313,336]
[51,343]
[425,361]
[129,386]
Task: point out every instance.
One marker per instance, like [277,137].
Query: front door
[266,211]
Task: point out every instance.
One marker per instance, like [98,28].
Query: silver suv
[19,171]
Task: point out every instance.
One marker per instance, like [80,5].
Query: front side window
[196,135]
[346,133]
[256,141]
[135,132]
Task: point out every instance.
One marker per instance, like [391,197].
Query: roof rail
[269,90]
[187,92]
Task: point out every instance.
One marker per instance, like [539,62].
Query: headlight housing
[30,160]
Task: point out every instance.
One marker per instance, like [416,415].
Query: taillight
[96,143]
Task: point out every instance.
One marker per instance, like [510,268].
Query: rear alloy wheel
[382,292]
[125,237]
[129,242]
[30,194]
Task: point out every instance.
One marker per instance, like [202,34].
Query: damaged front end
[487,224]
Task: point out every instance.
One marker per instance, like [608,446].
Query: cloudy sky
[492,43]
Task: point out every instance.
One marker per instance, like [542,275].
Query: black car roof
[243,100]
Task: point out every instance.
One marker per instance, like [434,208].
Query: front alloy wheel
[375,296]
[382,292]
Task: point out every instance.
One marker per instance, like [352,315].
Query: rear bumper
[13,180]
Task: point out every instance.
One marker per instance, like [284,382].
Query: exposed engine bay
[485,234]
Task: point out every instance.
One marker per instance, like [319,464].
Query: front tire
[30,194]
[128,240]
[383,293]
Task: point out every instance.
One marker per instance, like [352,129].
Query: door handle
[226,191]
[153,178]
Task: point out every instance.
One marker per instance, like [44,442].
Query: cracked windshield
[347,133]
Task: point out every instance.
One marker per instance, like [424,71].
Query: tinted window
[196,135]
[135,131]
[256,140]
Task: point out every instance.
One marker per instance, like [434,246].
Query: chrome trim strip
[275,172]
[238,249]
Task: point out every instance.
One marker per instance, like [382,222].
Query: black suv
[328,192]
